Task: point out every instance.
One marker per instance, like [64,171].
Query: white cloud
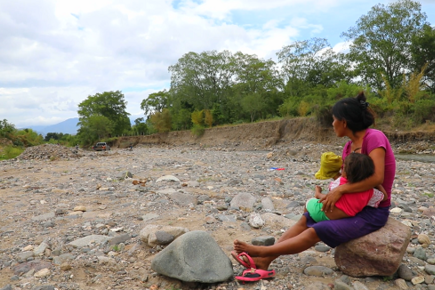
[55,53]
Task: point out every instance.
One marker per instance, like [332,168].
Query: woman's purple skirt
[336,232]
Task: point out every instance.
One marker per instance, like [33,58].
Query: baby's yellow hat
[330,165]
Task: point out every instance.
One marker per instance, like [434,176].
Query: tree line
[391,56]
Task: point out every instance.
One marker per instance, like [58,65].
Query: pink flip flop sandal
[250,264]
[253,275]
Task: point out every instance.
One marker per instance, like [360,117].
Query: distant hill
[66,127]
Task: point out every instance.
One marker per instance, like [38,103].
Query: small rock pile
[50,152]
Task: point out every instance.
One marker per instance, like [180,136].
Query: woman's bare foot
[253,251]
[260,262]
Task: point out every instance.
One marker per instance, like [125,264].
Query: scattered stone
[42,273]
[255,220]
[318,286]
[263,241]
[149,216]
[430,269]
[405,273]
[340,285]
[318,271]
[424,240]
[244,201]
[65,267]
[89,240]
[31,265]
[357,285]
[267,203]
[80,208]
[148,234]
[401,284]
[119,239]
[44,216]
[274,220]
[417,280]
[168,178]
[163,238]
[420,253]
[322,247]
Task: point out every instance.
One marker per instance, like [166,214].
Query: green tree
[54,136]
[381,42]
[255,79]
[202,79]
[140,127]
[311,63]
[110,105]
[155,102]
[253,104]
[423,55]
[94,128]
[6,128]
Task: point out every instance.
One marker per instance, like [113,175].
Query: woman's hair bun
[361,97]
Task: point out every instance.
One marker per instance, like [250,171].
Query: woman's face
[339,127]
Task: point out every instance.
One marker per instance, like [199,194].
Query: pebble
[91,213]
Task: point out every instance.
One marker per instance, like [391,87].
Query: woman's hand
[330,199]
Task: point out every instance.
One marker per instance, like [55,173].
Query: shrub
[197,130]
[289,107]
[10,152]
[198,117]
[208,118]
[424,110]
[161,121]
[303,108]
[323,115]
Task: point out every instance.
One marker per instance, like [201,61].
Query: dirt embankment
[265,135]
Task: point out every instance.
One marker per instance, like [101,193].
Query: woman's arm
[378,157]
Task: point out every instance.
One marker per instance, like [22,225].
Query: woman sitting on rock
[356,167]
[352,119]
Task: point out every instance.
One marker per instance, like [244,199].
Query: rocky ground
[52,196]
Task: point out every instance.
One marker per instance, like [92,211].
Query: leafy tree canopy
[381,43]
[110,105]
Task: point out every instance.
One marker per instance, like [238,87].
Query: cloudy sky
[55,53]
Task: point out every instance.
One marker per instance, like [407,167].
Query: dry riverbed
[47,202]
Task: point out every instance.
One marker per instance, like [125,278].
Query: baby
[356,167]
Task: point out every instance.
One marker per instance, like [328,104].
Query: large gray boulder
[377,254]
[194,257]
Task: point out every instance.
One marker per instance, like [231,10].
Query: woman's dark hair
[355,111]
[358,167]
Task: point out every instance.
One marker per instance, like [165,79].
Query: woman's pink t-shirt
[376,139]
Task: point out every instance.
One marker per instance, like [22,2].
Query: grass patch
[10,152]
[205,179]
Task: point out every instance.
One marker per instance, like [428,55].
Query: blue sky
[55,53]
